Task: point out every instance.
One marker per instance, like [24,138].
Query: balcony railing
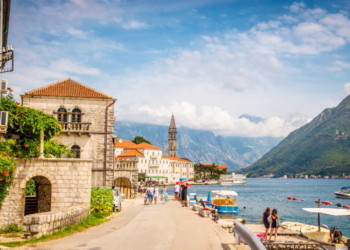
[76,127]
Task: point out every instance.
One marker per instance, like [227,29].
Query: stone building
[149,160]
[87,118]
[172,138]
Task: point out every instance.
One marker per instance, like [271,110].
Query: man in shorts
[177,191]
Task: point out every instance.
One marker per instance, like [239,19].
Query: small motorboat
[344,193]
[225,202]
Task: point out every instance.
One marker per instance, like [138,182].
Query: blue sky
[206,61]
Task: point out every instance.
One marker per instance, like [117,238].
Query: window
[76,115]
[62,115]
[76,151]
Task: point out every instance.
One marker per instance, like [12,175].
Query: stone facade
[69,181]
[92,142]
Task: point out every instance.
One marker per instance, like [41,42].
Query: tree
[140,139]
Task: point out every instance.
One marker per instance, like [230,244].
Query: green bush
[7,169]
[101,200]
[12,228]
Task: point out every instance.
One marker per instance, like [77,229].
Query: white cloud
[216,119]
[297,6]
[77,32]
[347,88]
[68,66]
[134,24]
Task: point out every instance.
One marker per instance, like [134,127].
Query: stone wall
[70,181]
[50,222]
[92,144]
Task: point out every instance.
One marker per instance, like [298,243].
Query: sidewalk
[161,226]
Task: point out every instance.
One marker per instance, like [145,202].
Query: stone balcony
[76,127]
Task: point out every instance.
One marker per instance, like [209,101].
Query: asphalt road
[161,226]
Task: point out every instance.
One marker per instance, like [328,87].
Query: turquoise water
[261,193]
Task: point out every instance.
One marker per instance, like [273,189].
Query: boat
[232,179]
[325,237]
[344,193]
[225,202]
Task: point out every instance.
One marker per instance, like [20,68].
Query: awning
[224,193]
[329,211]
[156,177]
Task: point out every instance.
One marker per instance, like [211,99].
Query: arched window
[76,115]
[76,151]
[62,115]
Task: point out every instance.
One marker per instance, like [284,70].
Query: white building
[149,160]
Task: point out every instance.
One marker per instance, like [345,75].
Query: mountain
[202,146]
[321,147]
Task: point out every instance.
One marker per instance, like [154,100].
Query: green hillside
[321,147]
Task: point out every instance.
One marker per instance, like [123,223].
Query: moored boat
[225,202]
[344,193]
[233,179]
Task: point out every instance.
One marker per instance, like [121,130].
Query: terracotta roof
[217,166]
[121,143]
[145,145]
[180,159]
[129,154]
[166,156]
[68,88]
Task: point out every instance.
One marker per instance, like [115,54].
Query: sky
[206,61]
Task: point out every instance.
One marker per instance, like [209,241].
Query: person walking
[184,196]
[177,191]
[150,195]
[156,194]
[266,216]
[275,223]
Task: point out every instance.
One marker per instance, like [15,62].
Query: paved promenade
[161,226]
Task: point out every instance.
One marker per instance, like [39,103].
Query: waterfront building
[88,120]
[149,160]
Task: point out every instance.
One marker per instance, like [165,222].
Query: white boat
[344,193]
[323,236]
[232,179]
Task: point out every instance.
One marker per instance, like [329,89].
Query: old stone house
[87,118]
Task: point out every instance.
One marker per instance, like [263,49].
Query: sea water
[261,193]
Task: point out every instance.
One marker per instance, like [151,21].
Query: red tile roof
[217,166]
[128,154]
[68,88]
[121,143]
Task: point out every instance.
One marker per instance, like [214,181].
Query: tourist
[275,223]
[184,196]
[266,215]
[150,195]
[156,194]
[177,191]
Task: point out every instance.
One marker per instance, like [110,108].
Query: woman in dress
[275,223]
[266,216]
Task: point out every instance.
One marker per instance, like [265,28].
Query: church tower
[172,138]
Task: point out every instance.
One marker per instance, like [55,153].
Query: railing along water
[248,237]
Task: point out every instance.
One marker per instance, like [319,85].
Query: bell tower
[172,137]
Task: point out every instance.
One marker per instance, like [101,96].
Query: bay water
[261,193]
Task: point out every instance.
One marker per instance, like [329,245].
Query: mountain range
[321,147]
[202,146]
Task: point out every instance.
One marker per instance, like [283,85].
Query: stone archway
[39,200]
[125,186]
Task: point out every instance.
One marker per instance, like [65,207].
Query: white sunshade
[224,193]
[329,211]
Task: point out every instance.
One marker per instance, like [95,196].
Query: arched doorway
[38,195]
[125,186]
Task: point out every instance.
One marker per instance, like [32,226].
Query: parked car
[118,198]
